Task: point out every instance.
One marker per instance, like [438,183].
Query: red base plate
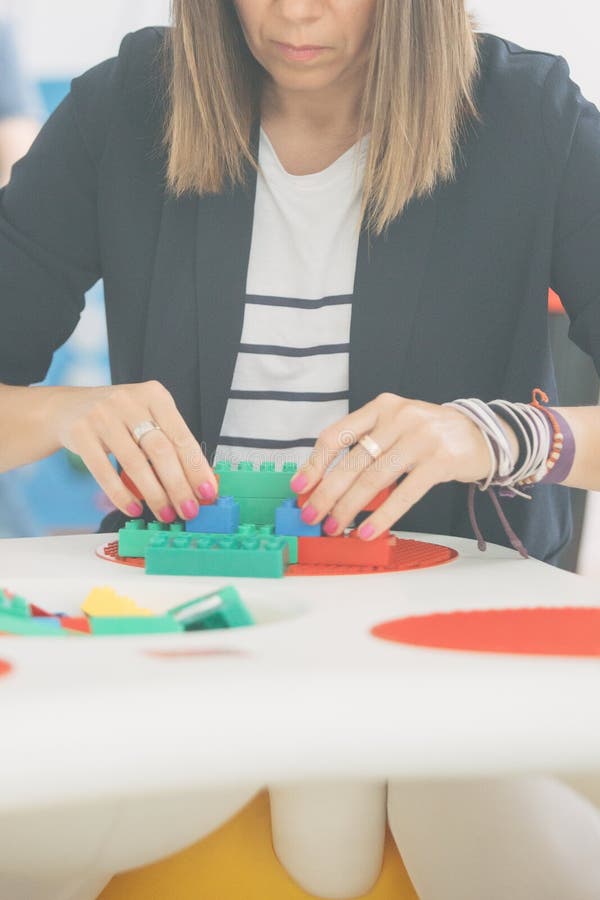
[406,555]
[563,631]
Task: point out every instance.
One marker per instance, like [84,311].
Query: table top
[307,694]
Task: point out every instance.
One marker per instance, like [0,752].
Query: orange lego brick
[76,623]
[346,550]
[372,505]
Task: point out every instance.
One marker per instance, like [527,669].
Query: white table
[113,756]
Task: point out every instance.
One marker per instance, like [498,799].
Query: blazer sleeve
[49,243]
[572,129]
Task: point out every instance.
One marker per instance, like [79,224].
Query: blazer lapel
[387,285]
[224,233]
[195,309]
[170,343]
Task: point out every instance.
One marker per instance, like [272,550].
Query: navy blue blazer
[450,302]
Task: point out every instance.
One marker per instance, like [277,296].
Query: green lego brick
[219,609]
[12,604]
[250,528]
[11,624]
[258,510]
[134,537]
[249,481]
[105,625]
[217,554]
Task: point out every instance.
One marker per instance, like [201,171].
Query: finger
[331,442]
[410,490]
[334,494]
[98,463]
[157,447]
[117,439]
[196,467]
[167,468]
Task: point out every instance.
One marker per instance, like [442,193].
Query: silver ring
[371,446]
[143,429]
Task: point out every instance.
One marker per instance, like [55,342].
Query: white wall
[570,29]
[63,37]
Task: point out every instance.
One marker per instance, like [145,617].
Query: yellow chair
[237,862]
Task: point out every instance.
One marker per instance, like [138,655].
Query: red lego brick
[379,498]
[38,611]
[405,555]
[75,623]
[346,550]
[372,505]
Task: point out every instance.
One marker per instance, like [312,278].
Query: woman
[448,291]
[420,187]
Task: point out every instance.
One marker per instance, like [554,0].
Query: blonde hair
[419,94]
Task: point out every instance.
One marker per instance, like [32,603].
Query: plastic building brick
[288,520]
[134,536]
[379,498]
[371,506]
[258,510]
[249,528]
[221,517]
[131,485]
[104,601]
[219,609]
[76,623]
[20,625]
[37,611]
[248,481]
[107,625]
[12,604]
[346,550]
[217,554]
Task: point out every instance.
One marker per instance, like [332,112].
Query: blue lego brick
[134,536]
[217,554]
[221,517]
[219,609]
[248,481]
[288,521]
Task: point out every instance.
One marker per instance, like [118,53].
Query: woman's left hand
[427,443]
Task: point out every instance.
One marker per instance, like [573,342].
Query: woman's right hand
[168,466]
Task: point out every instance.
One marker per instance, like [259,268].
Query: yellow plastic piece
[237,862]
[104,601]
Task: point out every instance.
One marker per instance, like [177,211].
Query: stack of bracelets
[546,452]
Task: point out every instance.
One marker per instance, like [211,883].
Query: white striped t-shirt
[291,373]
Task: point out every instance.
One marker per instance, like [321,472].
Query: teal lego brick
[250,528]
[111,625]
[219,609]
[250,481]
[217,554]
[19,625]
[134,536]
[258,510]
[12,604]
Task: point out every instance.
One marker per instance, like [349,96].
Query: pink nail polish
[168,514]
[309,514]
[207,491]
[135,510]
[189,509]
[299,482]
[366,532]
[331,525]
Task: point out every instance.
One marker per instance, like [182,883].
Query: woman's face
[275,29]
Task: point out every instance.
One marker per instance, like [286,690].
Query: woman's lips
[299,53]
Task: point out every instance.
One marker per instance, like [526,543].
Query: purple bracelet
[564,463]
